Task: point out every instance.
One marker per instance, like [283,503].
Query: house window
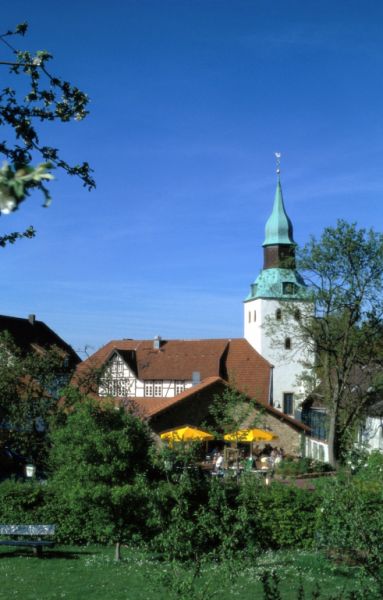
[180,387]
[287,343]
[278,314]
[157,389]
[255,316]
[288,404]
[149,389]
[297,314]
[249,317]
[122,387]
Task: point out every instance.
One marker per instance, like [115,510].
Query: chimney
[196,377]
[32,319]
[157,342]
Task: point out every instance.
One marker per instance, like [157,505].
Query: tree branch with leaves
[38,97]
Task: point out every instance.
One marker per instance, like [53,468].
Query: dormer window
[289,288]
[278,314]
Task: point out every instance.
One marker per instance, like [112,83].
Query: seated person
[218,465]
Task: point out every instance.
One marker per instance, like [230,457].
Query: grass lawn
[81,573]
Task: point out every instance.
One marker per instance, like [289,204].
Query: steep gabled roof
[231,359]
[30,334]
[174,360]
[247,370]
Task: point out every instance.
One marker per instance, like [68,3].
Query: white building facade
[119,380]
[278,300]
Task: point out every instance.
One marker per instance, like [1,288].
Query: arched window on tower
[278,314]
[287,343]
[249,316]
[255,316]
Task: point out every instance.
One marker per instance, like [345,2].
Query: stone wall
[289,437]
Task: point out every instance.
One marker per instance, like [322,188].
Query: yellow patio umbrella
[187,433]
[250,435]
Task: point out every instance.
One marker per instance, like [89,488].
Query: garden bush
[301,466]
[22,502]
[350,525]
[283,516]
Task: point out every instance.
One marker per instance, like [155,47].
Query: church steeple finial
[278,161]
[279,229]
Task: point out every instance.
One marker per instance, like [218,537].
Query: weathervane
[278,159]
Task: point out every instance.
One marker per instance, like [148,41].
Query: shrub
[350,524]
[301,466]
[22,502]
[285,515]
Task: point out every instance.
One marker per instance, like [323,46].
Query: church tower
[278,299]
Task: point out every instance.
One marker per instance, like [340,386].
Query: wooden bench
[34,533]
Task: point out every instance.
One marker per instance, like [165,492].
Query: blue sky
[189,101]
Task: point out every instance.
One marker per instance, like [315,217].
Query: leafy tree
[232,410]
[345,271]
[100,454]
[37,97]
[28,395]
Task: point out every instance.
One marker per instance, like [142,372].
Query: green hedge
[192,516]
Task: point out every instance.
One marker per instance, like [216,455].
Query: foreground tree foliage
[29,384]
[345,271]
[100,455]
[36,97]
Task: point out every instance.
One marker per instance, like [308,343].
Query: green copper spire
[279,229]
[279,278]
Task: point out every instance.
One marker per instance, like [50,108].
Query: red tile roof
[175,360]
[231,359]
[150,407]
[247,370]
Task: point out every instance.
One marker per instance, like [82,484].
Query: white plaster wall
[267,336]
[118,370]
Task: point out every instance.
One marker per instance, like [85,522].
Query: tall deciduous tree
[345,271]
[28,395]
[99,457]
[38,96]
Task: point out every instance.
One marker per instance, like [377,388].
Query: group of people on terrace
[263,459]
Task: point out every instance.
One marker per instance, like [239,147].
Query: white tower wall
[268,335]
